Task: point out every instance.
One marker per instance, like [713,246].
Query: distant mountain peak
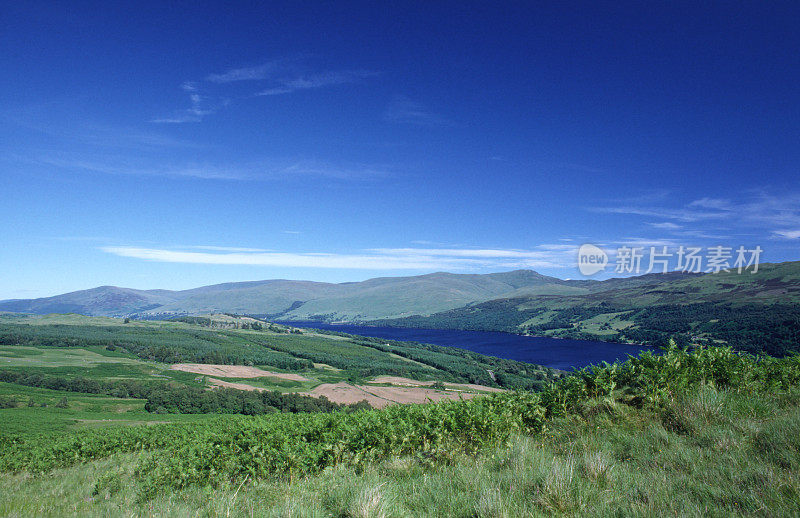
[372,299]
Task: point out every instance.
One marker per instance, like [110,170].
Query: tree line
[170,398]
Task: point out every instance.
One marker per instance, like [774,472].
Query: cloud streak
[254,73]
[252,171]
[280,77]
[547,256]
[403,110]
[787,234]
[759,210]
[286,86]
[198,109]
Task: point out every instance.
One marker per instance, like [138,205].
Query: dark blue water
[552,352]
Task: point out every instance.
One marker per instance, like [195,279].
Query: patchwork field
[15,356]
[686,434]
[233,371]
[60,372]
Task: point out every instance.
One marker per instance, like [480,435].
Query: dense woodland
[181,399]
[163,344]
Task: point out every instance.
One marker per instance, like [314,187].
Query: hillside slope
[757,312]
[685,434]
[385,297]
[103,300]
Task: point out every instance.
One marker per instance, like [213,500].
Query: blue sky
[174,145]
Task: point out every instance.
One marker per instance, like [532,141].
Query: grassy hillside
[272,357]
[299,300]
[394,296]
[756,312]
[708,432]
[105,300]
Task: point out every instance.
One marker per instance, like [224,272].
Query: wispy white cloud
[712,203]
[254,73]
[282,259]
[286,86]
[256,170]
[227,248]
[488,253]
[279,77]
[643,242]
[198,109]
[686,215]
[787,234]
[666,225]
[51,121]
[405,111]
[548,256]
[277,90]
[327,170]
[752,210]
[120,166]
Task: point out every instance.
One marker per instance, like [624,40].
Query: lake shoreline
[554,352]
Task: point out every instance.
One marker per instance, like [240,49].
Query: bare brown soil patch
[380,397]
[234,371]
[408,382]
[347,394]
[408,395]
[230,384]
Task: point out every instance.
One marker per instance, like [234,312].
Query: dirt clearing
[379,397]
[229,384]
[233,371]
[408,382]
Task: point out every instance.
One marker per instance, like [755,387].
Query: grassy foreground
[709,432]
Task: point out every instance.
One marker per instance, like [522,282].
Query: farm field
[95,422]
[704,432]
[105,371]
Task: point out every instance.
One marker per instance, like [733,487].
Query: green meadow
[709,432]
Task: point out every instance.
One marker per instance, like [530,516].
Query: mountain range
[385,297]
[745,308]
[379,298]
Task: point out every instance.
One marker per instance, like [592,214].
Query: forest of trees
[163,344]
[170,398]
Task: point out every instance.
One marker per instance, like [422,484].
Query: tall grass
[742,459]
[701,432]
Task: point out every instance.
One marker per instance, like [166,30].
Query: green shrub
[683,387]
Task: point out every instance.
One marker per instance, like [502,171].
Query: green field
[90,345]
[38,414]
[106,370]
[16,356]
[709,432]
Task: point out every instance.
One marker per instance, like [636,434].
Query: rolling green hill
[708,432]
[385,297]
[102,347]
[756,312]
[104,300]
